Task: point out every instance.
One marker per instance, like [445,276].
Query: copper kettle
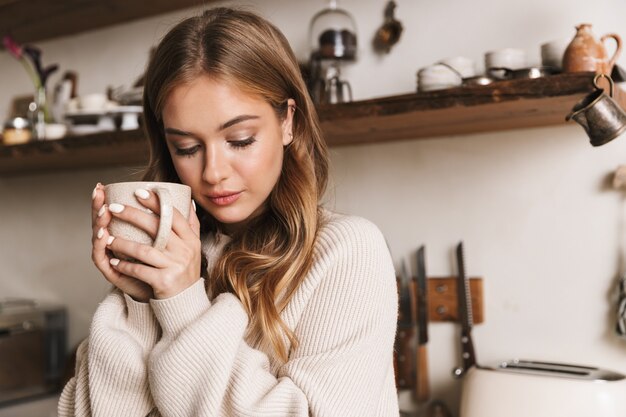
[585,53]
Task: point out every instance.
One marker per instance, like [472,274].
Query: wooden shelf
[36,20]
[503,105]
[500,106]
[106,149]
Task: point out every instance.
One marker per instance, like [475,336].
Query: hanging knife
[406,331]
[468,357]
[422,389]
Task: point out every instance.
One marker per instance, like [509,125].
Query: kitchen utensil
[585,53]
[332,34]
[468,356]
[422,386]
[406,331]
[620,326]
[426,407]
[336,90]
[389,33]
[601,117]
[522,388]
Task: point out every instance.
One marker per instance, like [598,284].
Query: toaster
[32,348]
[521,388]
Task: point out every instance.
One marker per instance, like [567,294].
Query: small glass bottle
[38,114]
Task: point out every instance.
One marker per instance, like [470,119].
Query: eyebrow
[236,120]
[226,125]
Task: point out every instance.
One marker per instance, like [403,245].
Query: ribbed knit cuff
[177,312]
[142,322]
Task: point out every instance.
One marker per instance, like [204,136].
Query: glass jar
[333,34]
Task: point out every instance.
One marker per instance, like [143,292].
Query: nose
[216,165]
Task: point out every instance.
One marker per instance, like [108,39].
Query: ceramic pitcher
[586,53]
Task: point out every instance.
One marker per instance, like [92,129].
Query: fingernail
[100,233]
[114,261]
[110,240]
[93,193]
[141,193]
[102,210]
[116,208]
[193,203]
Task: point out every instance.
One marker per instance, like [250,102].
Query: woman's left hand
[170,271]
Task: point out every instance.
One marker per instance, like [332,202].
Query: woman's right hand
[100,218]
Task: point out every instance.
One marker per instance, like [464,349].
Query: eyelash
[237,144]
[240,144]
[187,151]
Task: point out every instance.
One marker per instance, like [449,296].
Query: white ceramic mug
[552,53]
[95,102]
[171,195]
[510,58]
[464,66]
[437,77]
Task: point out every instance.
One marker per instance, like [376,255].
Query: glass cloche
[333,34]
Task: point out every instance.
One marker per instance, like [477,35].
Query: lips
[224,199]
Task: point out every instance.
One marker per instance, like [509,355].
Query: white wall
[539,222]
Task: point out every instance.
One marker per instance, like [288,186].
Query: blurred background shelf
[100,150]
[36,20]
[504,105]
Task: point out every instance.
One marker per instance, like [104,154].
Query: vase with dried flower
[30,58]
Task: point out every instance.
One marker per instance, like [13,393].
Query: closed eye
[240,144]
[187,151]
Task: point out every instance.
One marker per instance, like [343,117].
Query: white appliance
[521,388]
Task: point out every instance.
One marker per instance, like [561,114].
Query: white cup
[552,52]
[437,77]
[93,102]
[171,195]
[464,66]
[510,58]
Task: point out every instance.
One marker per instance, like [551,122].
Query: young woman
[262,303]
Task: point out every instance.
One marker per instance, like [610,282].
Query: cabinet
[503,105]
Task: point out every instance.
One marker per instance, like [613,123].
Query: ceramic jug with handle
[586,53]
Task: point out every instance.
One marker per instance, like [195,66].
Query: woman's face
[227,146]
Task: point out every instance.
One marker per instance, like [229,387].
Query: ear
[287,124]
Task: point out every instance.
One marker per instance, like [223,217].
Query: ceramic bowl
[510,58]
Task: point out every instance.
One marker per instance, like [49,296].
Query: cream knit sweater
[188,356]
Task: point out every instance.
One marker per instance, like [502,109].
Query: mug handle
[609,79]
[166,218]
[618,48]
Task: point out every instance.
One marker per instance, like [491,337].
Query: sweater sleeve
[111,374]
[342,366]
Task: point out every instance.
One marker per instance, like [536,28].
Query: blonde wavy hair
[264,264]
